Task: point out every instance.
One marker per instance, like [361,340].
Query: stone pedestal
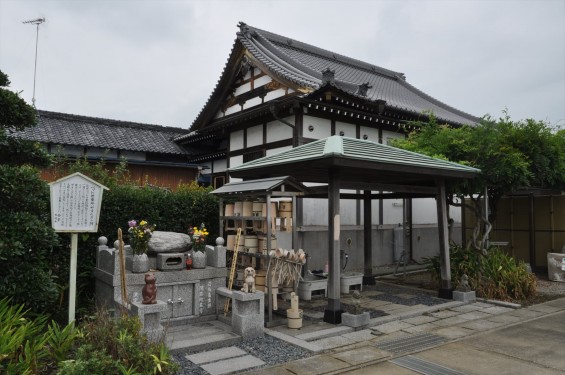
[216,256]
[350,279]
[170,261]
[464,296]
[150,318]
[309,285]
[355,320]
[247,317]
[556,267]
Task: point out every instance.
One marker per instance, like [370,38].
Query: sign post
[75,208]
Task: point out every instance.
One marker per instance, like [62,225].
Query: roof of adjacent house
[302,64]
[68,129]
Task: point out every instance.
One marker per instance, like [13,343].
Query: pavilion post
[445,290]
[368,278]
[333,311]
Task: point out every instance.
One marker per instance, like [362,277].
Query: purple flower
[132,223]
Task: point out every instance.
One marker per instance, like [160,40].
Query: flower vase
[140,263]
[199,260]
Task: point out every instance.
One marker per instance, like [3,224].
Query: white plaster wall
[133,155]
[424,211]
[347,211]
[242,89]
[219,165]
[392,211]
[274,94]
[247,75]
[262,81]
[236,140]
[371,133]
[255,136]
[233,109]
[349,130]
[236,160]
[315,211]
[322,127]
[252,102]
[274,151]
[277,131]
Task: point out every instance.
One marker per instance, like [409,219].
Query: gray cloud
[158,61]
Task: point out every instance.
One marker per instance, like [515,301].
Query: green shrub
[114,346]
[494,276]
[26,346]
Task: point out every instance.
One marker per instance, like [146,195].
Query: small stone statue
[464,284]
[249,280]
[149,291]
[356,302]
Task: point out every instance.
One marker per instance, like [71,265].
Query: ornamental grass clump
[495,275]
[140,234]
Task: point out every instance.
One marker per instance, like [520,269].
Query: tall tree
[27,241]
[512,155]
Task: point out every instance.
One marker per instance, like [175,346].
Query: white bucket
[247,208]
[238,208]
[257,208]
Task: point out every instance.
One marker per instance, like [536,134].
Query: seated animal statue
[249,280]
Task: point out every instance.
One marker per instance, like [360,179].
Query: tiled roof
[303,64]
[358,150]
[67,129]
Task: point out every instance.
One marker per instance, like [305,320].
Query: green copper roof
[360,150]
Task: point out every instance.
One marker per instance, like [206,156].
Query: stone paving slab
[360,336]
[427,327]
[270,371]
[422,319]
[361,355]
[232,364]
[544,308]
[481,325]
[316,365]
[497,310]
[453,332]
[333,342]
[467,308]
[526,314]
[392,326]
[474,315]
[506,319]
[444,314]
[317,335]
[451,321]
[216,355]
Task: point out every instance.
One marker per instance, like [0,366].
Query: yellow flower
[142,222]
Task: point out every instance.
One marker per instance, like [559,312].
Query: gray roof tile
[67,129]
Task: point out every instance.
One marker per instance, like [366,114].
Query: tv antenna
[35,22]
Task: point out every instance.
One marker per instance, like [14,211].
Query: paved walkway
[448,338]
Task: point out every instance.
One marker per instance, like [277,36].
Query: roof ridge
[106,121]
[324,53]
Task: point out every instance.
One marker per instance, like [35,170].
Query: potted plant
[199,236]
[140,233]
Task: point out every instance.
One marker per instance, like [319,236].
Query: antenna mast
[35,22]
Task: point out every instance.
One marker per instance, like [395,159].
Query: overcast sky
[158,61]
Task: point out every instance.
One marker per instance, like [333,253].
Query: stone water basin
[310,284]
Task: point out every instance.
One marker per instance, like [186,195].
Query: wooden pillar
[445,290]
[333,311]
[368,278]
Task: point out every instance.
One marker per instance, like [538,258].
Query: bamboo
[232,270]
[125,300]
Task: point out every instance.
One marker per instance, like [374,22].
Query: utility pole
[35,22]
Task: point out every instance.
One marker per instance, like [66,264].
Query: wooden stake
[125,300]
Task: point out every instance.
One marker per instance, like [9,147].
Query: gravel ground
[544,286]
[270,350]
[391,292]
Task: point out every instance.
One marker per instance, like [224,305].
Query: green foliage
[496,275]
[27,241]
[512,155]
[116,346]
[26,347]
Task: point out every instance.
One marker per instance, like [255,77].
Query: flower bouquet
[140,233]
[198,236]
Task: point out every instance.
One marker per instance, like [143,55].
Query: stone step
[322,334]
[232,364]
[203,336]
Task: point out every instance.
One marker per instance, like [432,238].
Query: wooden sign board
[75,204]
